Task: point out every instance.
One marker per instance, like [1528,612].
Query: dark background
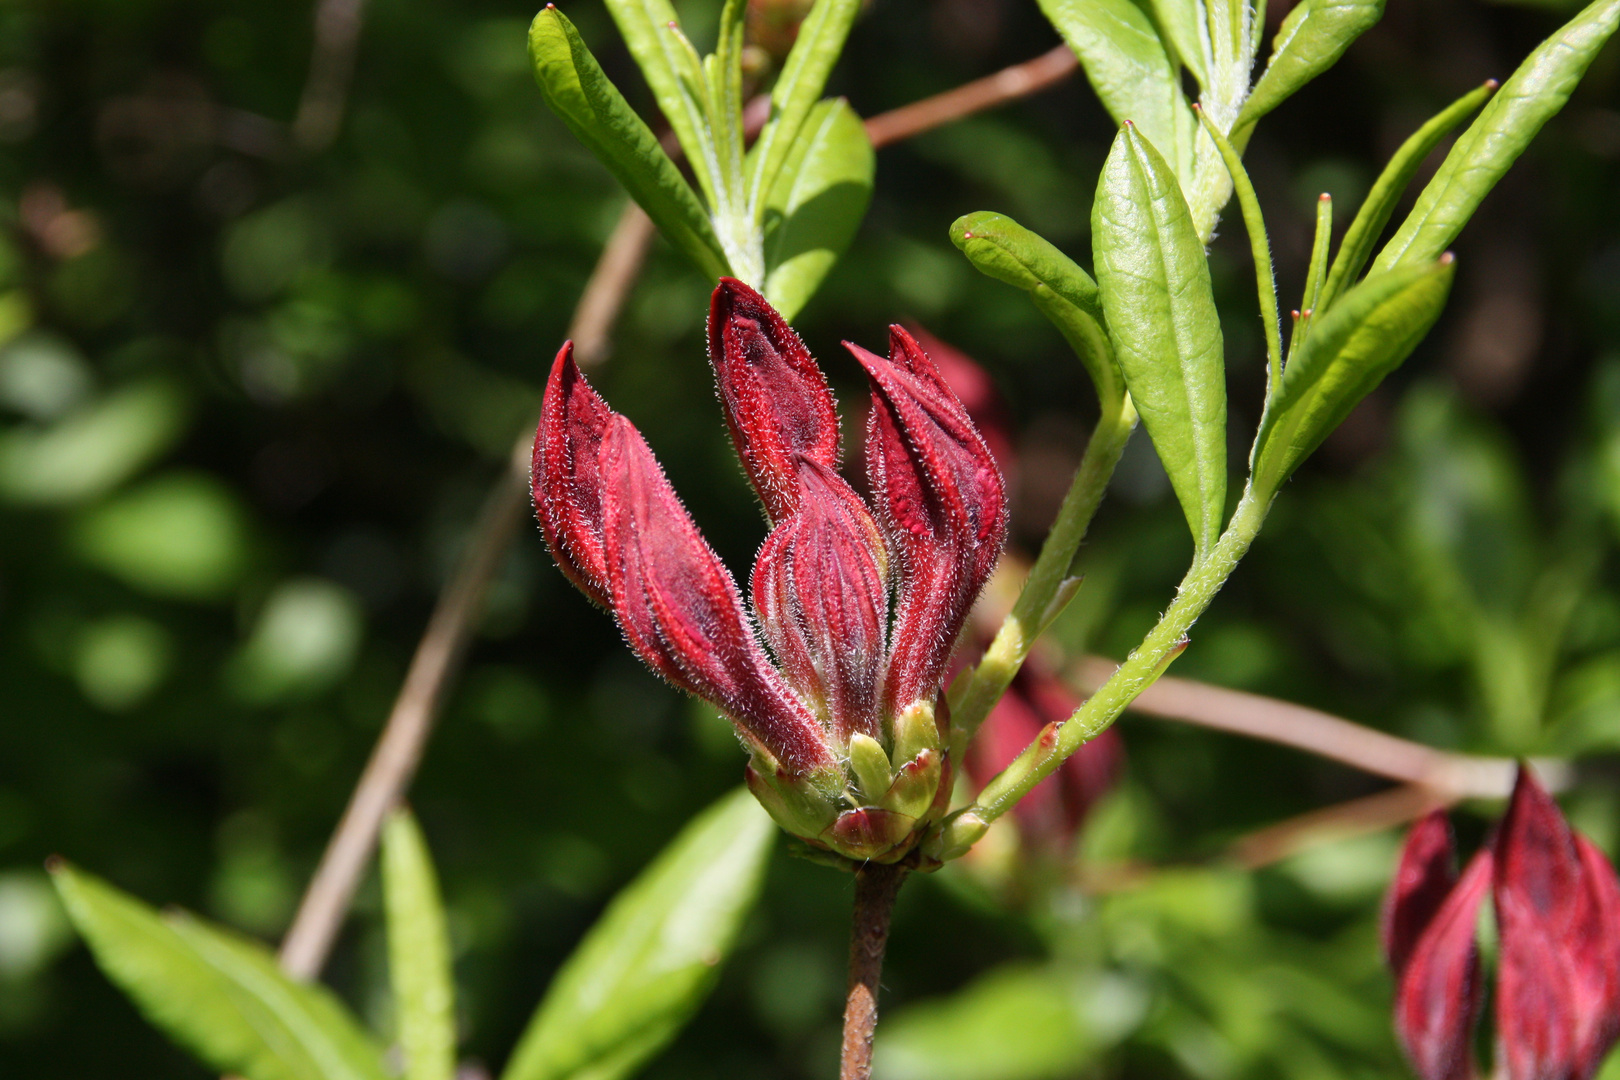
[250,400]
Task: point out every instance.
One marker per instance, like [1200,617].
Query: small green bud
[870,764]
[915,785]
[956,837]
[915,730]
[797,803]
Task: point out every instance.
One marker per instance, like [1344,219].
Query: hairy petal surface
[775,397]
[942,504]
[1426,873]
[566,478]
[820,590]
[680,610]
[1555,905]
[1437,993]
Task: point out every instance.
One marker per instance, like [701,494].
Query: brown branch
[1357,817]
[876,886]
[1453,775]
[1008,84]
[331,67]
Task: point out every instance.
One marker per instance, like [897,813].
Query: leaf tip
[1447,259]
[1324,197]
[55,864]
[1492,85]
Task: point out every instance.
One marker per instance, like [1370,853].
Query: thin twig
[331,67]
[1319,733]
[1006,85]
[1341,821]
[399,749]
[876,886]
[398,752]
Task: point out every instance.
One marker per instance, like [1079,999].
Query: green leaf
[219,995]
[1128,68]
[418,953]
[1356,247]
[653,956]
[804,75]
[1016,1022]
[1312,38]
[1182,22]
[661,53]
[577,91]
[1003,249]
[1350,349]
[1483,153]
[817,205]
[1162,321]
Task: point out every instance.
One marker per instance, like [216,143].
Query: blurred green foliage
[250,400]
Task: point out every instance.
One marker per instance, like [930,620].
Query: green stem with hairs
[1139,671]
[1052,581]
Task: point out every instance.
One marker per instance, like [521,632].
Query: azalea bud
[1438,991]
[775,397]
[1558,995]
[565,479]
[942,504]
[822,598]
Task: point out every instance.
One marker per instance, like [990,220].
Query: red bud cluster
[840,715]
[1557,904]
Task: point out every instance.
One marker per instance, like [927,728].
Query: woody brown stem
[876,886]
[1008,84]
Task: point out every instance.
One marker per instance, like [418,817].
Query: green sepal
[817,204]
[870,764]
[803,805]
[1492,143]
[915,784]
[999,247]
[1350,350]
[576,89]
[916,729]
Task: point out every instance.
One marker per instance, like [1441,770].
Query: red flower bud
[775,397]
[565,480]
[1428,934]
[1557,997]
[820,590]
[942,504]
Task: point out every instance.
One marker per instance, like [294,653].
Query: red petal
[566,479]
[679,608]
[1437,995]
[1599,968]
[822,598]
[942,504]
[775,397]
[1541,903]
[1426,873]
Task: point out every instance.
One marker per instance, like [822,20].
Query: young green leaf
[1356,247]
[660,52]
[1163,324]
[804,75]
[418,953]
[817,204]
[1182,22]
[577,91]
[1003,249]
[1483,153]
[219,995]
[1127,66]
[653,956]
[1322,239]
[724,73]
[1312,38]
[1350,350]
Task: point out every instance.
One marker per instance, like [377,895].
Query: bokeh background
[252,395]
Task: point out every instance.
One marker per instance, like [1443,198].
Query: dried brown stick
[331,67]
[399,749]
[1341,821]
[876,886]
[1008,84]
[1319,733]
